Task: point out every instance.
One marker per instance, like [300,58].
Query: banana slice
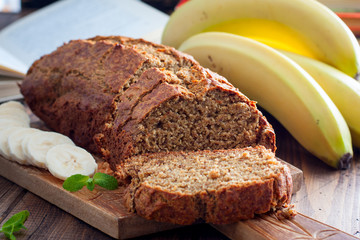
[12,105]
[4,136]
[24,144]
[37,145]
[65,160]
[8,123]
[15,143]
[14,114]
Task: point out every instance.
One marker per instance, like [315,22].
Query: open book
[41,32]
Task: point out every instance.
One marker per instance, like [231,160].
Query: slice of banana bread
[220,186]
[124,97]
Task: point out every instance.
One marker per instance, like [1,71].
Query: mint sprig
[14,224]
[76,182]
[105,181]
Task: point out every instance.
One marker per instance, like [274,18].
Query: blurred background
[10,10]
[15,6]
[163,5]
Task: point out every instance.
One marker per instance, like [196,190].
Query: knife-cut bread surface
[220,186]
[123,97]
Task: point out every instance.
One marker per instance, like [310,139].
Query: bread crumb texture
[218,187]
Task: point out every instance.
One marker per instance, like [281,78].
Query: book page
[11,66]
[9,89]
[43,31]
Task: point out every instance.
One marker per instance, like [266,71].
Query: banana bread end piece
[219,187]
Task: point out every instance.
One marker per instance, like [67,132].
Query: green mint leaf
[10,235]
[105,181]
[8,229]
[75,182]
[90,184]
[14,224]
[17,220]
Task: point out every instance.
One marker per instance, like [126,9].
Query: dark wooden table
[327,195]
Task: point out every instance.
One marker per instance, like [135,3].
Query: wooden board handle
[268,226]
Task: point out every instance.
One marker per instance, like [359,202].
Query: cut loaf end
[219,187]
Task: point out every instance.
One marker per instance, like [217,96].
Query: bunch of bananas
[296,58]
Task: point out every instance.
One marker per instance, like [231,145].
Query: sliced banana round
[12,105]
[24,147]
[37,145]
[4,136]
[15,143]
[15,114]
[8,123]
[65,160]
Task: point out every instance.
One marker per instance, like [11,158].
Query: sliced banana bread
[220,186]
[124,97]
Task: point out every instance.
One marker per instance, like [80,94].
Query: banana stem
[345,161]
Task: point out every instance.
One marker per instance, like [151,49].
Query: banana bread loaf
[220,186]
[123,97]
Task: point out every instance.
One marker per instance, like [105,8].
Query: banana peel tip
[357,76]
[345,161]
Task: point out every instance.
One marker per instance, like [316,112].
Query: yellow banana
[343,90]
[282,88]
[323,34]
[269,32]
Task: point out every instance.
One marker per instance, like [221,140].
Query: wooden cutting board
[104,209]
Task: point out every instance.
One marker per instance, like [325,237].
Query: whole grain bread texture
[219,186]
[123,97]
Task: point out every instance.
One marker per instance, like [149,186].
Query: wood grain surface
[100,208]
[268,226]
[46,221]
